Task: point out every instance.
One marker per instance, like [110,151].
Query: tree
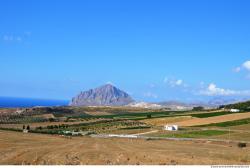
[198,108]
[51,119]
[242,145]
[40,128]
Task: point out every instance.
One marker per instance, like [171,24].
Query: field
[75,135]
[166,120]
[19,148]
[191,134]
[216,119]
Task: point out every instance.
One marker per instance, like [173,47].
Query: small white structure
[25,131]
[171,127]
[234,110]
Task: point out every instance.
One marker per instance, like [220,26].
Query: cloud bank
[213,90]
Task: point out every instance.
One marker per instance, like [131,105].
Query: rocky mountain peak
[106,95]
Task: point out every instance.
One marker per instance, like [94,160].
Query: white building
[234,110]
[25,131]
[171,127]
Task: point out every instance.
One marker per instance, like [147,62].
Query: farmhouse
[171,127]
[25,131]
[234,110]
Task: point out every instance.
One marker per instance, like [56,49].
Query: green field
[206,115]
[193,134]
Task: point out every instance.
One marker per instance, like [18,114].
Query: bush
[242,145]
[51,119]
[39,128]
[50,127]
[199,108]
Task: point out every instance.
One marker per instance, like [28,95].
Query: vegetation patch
[206,115]
[245,106]
[195,134]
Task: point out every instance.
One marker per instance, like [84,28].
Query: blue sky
[155,50]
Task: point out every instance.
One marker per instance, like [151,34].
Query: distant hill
[241,105]
[107,95]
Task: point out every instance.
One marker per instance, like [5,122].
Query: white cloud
[246,65]
[179,82]
[174,82]
[12,37]
[150,94]
[213,90]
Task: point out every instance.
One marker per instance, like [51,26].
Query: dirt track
[19,148]
[209,120]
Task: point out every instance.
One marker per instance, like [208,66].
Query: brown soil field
[47,116]
[216,119]
[19,148]
[238,136]
[167,120]
[245,127]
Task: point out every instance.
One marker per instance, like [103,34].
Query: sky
[156,50]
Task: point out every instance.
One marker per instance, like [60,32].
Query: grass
[194,134]
[228,123]
[206,115]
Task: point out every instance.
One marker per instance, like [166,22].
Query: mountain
[107,95]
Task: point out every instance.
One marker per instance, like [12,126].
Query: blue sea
[30,102]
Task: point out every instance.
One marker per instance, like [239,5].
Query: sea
[11,102]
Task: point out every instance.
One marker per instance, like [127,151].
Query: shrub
[149,116]
[39,128]
[199,108]
[51,119]
[242,145]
